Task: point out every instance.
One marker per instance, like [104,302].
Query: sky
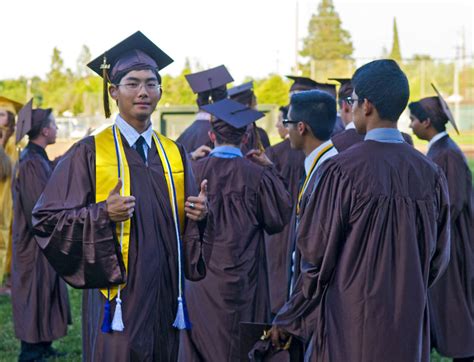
[251,37]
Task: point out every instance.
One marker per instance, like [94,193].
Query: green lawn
[10,346]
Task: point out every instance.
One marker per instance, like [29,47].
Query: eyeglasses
[350,101]
[286,122]
[150,86]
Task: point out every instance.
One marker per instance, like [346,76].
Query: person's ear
[113,90]
[367,107]
[212,136]
[301,128]
[426,123]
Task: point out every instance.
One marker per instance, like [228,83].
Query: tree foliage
[395,53]
[328,47]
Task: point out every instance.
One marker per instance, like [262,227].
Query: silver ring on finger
[192,205]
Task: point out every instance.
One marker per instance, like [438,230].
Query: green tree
[56,90]
[395,53]
[272,90]
[327,45]
[176,90]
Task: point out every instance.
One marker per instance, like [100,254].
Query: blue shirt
[386,135]
[226,152]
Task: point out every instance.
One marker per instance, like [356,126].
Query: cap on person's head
[301,83]
[30,121]
[235,91]
[10,105]
[445,108]
[326,87]
[233,113]
[436,109]
[209,79]
[210,84]
[243,94]
[345,89]
[136,52]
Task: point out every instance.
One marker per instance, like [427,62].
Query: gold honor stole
[111,164]
[320,154]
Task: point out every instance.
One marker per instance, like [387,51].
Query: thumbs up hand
[196,206]
[119,208]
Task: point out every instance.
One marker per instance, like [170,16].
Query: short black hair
[43,122]
[384,84]
[317,109]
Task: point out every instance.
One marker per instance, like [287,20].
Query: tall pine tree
[327,45]
[395,54]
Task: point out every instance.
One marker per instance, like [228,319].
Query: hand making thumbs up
[119,208]
[196,206]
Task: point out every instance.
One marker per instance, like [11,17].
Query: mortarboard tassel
[105,77]
[117,322]
[106,325]
[182,318]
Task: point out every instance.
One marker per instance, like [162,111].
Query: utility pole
[296,37]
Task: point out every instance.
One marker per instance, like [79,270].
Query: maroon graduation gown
[245,199]
[290,164]
[195,135]
[452,297]
[40,301]
[79,239]
[373,237]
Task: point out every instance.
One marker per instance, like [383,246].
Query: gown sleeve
[440,259]
[274,202]
[194,265]
[320,237]
[74,232]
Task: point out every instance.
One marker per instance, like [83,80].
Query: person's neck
[380,123]
[216,144]
[430,134]
[310,145]
[139,125]
[40,142]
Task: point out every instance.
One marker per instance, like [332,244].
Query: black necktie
[139,148]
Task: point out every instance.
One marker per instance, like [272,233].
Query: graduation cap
[233,113]
[240,89]
[24,123]
[135,52]
[341,81]
[326,87]
[209,79]
[301,83]
[10,105]
[445,108]
[29,118]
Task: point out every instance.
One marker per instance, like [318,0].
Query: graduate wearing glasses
[112,218]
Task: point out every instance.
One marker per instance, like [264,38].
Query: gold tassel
[105,77]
